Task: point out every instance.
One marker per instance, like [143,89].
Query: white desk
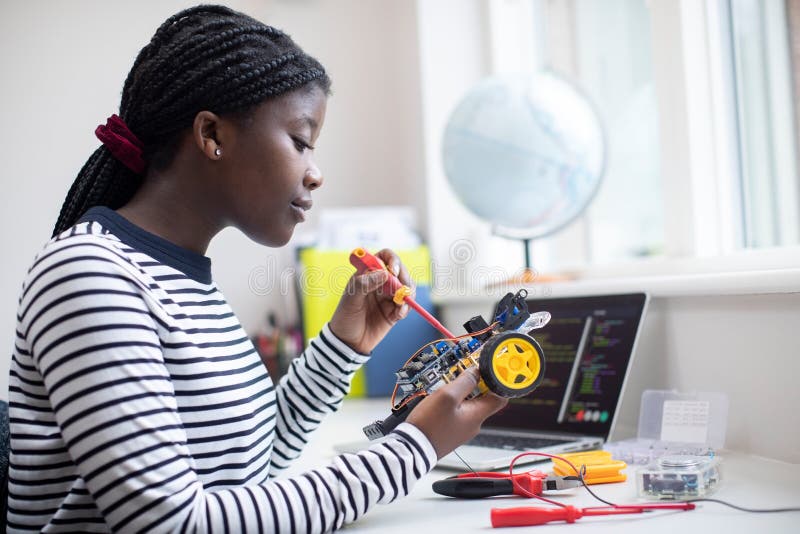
[746,480]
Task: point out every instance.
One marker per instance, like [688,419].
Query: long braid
[204,58]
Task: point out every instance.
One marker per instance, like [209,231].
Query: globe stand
[527,244]
[529,275]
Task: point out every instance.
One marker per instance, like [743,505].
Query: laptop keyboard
[514,443]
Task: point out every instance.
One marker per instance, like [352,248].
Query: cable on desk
[581,472]
[743,509]
[455,451]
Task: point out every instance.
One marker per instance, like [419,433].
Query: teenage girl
[137,402]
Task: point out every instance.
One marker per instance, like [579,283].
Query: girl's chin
[273,238]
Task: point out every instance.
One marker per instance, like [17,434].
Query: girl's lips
[299,210]
[303,203]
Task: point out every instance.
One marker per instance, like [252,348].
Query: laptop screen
[588,345]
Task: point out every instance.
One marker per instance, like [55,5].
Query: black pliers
[477,485]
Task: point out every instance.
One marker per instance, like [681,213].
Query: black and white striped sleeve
[325,499]
[314,387]
[96,348]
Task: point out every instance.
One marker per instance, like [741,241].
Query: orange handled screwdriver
[363,261]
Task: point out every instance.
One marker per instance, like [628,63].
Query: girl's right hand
[447,419]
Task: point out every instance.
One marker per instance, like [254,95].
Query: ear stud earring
[218,151]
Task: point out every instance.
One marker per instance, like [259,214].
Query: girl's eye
[301,145]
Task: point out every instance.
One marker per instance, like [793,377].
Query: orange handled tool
[363,261]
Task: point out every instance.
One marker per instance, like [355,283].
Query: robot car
[510,361]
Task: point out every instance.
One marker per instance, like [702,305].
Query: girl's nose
[313,178]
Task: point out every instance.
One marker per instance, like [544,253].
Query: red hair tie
[124,146]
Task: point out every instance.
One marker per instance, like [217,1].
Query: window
[605,48]
[697,100]
[697,103]
[761,64]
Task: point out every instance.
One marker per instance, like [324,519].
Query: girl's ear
[207,134]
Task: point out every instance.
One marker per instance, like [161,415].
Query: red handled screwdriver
[538,515]
[364,261]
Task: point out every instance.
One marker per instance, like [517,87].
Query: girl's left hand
[366,314]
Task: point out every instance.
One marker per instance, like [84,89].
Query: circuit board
[510,361]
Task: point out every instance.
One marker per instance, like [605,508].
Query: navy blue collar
[194,265]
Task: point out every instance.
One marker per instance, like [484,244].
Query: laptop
[588,346]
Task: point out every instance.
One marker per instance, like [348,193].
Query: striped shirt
[137,402]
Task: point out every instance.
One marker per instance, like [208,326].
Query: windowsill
[748,260]
[771,271]
[706,284]
[703,284]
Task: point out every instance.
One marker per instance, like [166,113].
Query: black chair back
[4,449]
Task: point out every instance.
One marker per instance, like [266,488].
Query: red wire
[634,508]
[518,487]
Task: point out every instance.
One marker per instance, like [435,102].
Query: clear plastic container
[673,423]
[636,451]
[692,419]
[678,477]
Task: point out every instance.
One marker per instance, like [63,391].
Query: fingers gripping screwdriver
[363,261]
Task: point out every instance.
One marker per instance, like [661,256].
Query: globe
[526,154]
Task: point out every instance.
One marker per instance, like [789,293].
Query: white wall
[743,345]
[63,66]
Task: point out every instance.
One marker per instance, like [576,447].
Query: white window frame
[462,41]
[699,152]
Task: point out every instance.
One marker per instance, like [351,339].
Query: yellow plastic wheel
[512,364]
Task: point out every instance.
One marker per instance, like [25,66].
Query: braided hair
[204,58]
